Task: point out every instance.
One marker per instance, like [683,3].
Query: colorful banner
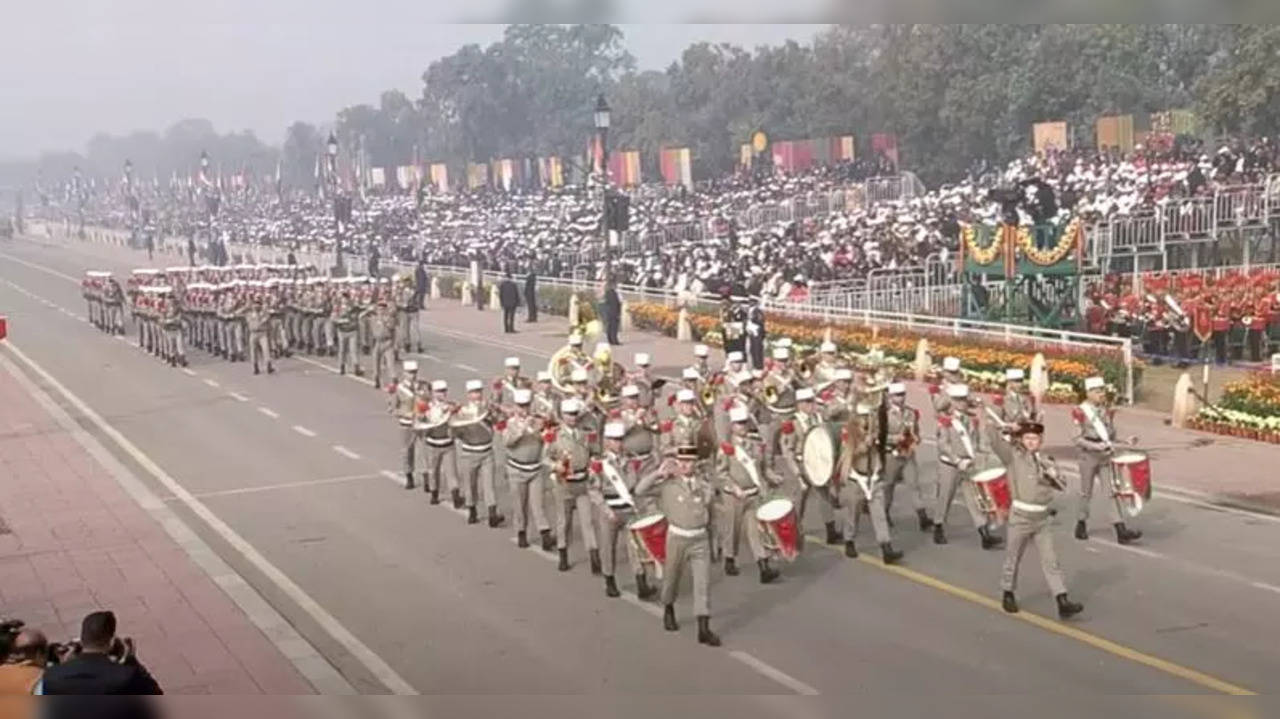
[477,175]
[505,174]
[790,156]
[885,144]
[377,177]
[745,155]
[675,165]
[624,168]
[1045,135]
[550,172]
[1175,122]
[1115,131]
[440,177]
[406,176]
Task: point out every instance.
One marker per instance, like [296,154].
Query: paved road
[293,466]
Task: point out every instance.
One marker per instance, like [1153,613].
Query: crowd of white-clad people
[556,231]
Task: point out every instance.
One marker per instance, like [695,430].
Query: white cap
[439,385]
[700,351]
[575,339]
[897,388]
[614,430]
[734,356]
[804,393]
[1014,374]
[782,342]
[570,406]
[957,391]
[512,362]
[863,409]
[642,359]
[410,366]
[745,375]
[690,373]
[578,375]
[827,347]
[630,391]
[1094,383]
[739,414]
[474,384]
[603,348]
[844,373]
[686,395]
[544,376]
[522,396]
[951,364]
[780,353]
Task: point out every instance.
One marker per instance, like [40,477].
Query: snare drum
[650,535]
[777,519]
[991,489]
[1132,486]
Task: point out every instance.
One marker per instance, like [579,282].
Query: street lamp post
[331,148]
[208,205]
[602,127]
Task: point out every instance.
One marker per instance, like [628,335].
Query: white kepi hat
[897,388]
[474,385]
[739,414]
[512,362]
[700,351]
[630,391]
[439,385]
[1094,383]
[570,406]
[522,396]
[951,364]
[410,366]
[804,394]
[734,356]
[642,359]
[686,395]
[614,430]
[958,391]
[1013,375]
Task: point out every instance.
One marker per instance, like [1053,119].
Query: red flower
[591,437]
[788,427]
[827,394]
[666,426]
[596,466]
[933,389]
[727,449]
[944,420]
[1077,415]
[671,400]
[719,379]
[844,434]
[615,413]
[501,425]
[423,407]
[549,436]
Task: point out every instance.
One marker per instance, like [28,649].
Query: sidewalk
[77,542]
[1224,470]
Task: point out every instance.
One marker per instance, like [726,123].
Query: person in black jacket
[420,285]
[612,311]
[509,298]
[531,295]
[105,664]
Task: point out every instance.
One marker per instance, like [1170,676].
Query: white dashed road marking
[269,413]
[189,372]
[238,397]
[465,367]
[345,452]
[211,383]
[775,674]
[303,431]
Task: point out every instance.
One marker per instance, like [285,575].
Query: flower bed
[1248,408]
[984,361]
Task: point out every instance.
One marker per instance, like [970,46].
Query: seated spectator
[104,665]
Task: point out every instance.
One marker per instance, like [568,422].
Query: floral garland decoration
[980,255]
[1054,255]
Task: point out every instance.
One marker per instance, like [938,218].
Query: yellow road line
[1057,627]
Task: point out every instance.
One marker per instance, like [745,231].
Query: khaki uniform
[740,470]
[403,404]
[383,329]
[685,501]
[790,436]
[900,466]
[864,489]
[612,490]
[941,401]
[257,320]
[522,440]
[957,457]
[436,436]
[1095,436]
[474,460]
[683,430]
[346,321]
[1018,407]
[1032,482]
[567,457]
[410,332]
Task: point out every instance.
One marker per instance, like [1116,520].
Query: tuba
[554,366]
[708,396]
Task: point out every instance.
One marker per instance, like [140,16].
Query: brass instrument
[708,396]
[554,368]
[770,394]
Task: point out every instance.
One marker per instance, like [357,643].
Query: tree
[1243,93]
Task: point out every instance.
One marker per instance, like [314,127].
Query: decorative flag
[477,175]
[440,177]
[377,176]
[624,168]
[886,144]
[675,165]
[1045,135]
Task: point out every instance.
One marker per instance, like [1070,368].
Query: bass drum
[818,455]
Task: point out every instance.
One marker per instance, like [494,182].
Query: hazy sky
[143,64]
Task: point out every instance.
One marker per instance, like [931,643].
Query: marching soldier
[171,322]
[837,399]
[613,482]
[902,436]
[1032,482]
[684,497]
[567,456]
[641,378]
[1016,405]
[437,437]
[743,476]
[701,364]
[791,435]
[957,454]
[346,322]
[258,322]
[732,373]
[824,372]
[407,310]
[779,393]
[404,405]
[951,377]
[229,319]
[471,425]
[1096,437]
[504,387]
[383,329]
[113,296]
[683,428]
[522,439]
[641,428]
[862,490]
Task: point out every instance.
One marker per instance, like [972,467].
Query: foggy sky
[143,64]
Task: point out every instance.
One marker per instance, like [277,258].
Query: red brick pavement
[78,542]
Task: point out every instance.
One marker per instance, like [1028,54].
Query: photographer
[27,655]
[104,664]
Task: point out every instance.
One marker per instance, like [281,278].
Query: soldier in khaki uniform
[837,399]
[1033,480]
[505,386]
[951,377]
[824,372]
[743,478]
[641,428]
[545,406]
[438,444]
[778,391]
[612,490]
[1016,405]
[701,363]
[410,332]
[641,378]
[790,438]
[1096,437]
[382,327]
[472,425]
[863,490]
[684,497]
[683,428]
[258,321]
[346,322]
[902,438]
[522,439]
[957,454]
[568,455]
[404,405]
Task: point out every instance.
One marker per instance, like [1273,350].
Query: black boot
[271,369]
[408,480]
[522,540]
[255,370]
[705,635]
[1082,532]
[435,496]
[889,554]
[564,560]
[850,551]
[611,587]
[457,499]
[925,523]
[730,567]
[833,537]
[495,519]
[595,561]
[939,536]
[643,590]
[1010,603]
[1068,608]
[472,516]
[548,542]
[989,540]
[1124,535]
[767,574]
[669,618]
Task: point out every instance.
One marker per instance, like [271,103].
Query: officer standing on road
[612,304]
[685,498]
[509,299]
[1033,480]
[531,296]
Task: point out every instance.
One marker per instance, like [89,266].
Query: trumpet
[770,394]
[708,396]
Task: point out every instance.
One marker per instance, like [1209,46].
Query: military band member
[642,378]
[701,362]
[641,429]
[346,323]
[1016,405]
[522,439]
[438,444]
[683,428]
[229,316]
[743,477]
[863,489]
[902,437]
[778,391]
[472,425]
[613,483]
[957,455]
[382,328]
[171,322]
[410,332]
[1096,437]
[684,497]
[825,370]
[504,387]
[404,405]
[734,364]
[258,322]
[1033,480]
[791,435]
[567,456]
[951,377]
[837,400]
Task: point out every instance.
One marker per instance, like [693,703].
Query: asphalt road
[294,465]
